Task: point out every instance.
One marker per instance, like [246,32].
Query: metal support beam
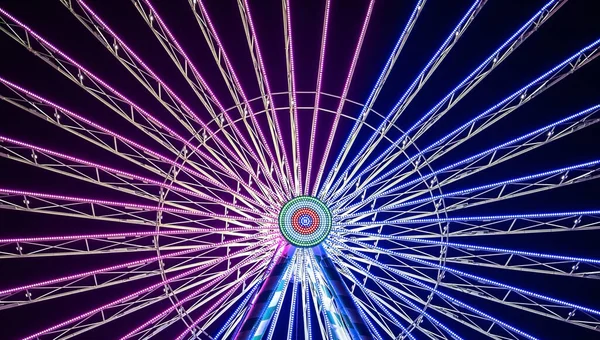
[325,299]
[258,317]
[349,311]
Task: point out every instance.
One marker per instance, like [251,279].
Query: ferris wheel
[186,209]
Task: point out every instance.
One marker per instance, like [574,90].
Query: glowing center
[305,221]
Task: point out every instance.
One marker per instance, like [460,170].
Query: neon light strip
[273,311]
[478,248]
[294,104]
[130,234]
[313,131]
[340,323]
[478,278]
[473,218]
[306,289]
[237,311]
[434,290]
[345,92]
[210,92]
[565,64]
[480,188]
[356,325]
[471,75]
[131,143]
[449,40]
[294,297]
[121,172]
[145,290]
[164,86]
[269,93]
[243,94]
[190,296]
[393,291]
[590,110]
[371,327]
[127,100]
[217,303]
[133,206]
[124,265]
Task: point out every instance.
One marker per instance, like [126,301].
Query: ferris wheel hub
[305,221]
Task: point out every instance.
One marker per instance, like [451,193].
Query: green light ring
[294,237]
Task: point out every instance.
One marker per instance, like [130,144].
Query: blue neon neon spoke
[481,66]
[478,278]
[386,67]
[411,87]
[478,188]
[436,291]
[472,218]
[477,247]
[403,298]
[548,127]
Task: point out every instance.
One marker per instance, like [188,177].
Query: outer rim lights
[305,221]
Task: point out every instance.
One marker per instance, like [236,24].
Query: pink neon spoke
[208,89]
[295,101]
[132,206]
[194,294]
[125,99]
[268,88]
[145,290]
[344,93]
[164,86]
[317,100]
[128,234]
[123,173]
[125,265]
[238,84]
[132,143]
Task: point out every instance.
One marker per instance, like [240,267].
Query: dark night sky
[572,28]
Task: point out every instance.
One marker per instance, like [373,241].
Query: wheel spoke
[471,81]
[345,90]
[417,84]
[267,95]
[218,51]
[488,158]
[520,186]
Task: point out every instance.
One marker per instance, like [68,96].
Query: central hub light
[304,221]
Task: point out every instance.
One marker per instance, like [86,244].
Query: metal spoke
[471,80]
[267,95]
[230,77]
[171,102]
[345,90]
[520,186]
[486,159]
[291,78]
[417,84]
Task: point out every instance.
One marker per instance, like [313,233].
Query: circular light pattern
[304,221]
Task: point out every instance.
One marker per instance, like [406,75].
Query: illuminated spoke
[345,90]
[467,84]
[485,159]
[520,186]
[227,71]
[267,95]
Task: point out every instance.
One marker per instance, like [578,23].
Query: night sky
[574,26]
